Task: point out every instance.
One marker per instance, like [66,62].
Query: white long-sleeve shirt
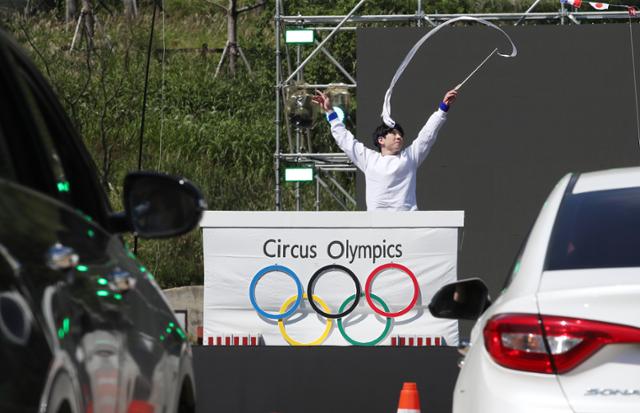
[390,179]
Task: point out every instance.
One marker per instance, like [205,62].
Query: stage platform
[326,379]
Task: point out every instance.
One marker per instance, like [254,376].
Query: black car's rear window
[598,229]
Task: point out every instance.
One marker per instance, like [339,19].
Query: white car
[564,335]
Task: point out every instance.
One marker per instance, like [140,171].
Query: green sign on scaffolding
[298,174]
[298,36]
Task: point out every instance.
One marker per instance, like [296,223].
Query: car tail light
[517,341]
[140,406]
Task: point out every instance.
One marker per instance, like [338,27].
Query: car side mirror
[160,206]
[464,300]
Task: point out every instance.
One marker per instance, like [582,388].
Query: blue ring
[262,273]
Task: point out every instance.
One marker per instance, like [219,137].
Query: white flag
[599,6]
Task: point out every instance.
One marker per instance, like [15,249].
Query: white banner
[273,255]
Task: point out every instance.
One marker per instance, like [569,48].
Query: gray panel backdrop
[564,104]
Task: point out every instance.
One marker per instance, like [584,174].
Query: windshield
[598,229]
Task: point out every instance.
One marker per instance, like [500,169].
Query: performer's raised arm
[354,149]
[427,137]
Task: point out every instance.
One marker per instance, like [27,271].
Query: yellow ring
[317,341]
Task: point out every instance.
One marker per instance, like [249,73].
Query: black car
[84,328]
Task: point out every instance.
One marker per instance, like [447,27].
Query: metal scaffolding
[324,164]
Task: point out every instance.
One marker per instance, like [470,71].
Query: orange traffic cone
[409,399]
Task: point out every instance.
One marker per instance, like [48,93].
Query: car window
[71,169]
[6,166]
[514,270]
[47,148]
[20,151]
[597,229]
[515,267]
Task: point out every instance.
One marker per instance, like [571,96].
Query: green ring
[375,340]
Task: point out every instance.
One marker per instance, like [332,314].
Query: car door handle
[61,257]
[121,280]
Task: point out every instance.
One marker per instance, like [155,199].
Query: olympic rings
[324,270]
[373,342]
[262,273]
[369,283]
[292,303]
[324,334]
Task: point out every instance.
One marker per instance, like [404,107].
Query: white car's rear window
[598,229]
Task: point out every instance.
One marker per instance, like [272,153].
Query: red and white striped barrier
[237,340]
[417,341]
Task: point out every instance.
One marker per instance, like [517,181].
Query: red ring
[367,289]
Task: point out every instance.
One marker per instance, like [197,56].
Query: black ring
[312,284]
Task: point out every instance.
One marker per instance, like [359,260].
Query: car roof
[607,180]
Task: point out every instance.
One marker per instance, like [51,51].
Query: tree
[130,8]
[71,8]
[85,26]
[232,49]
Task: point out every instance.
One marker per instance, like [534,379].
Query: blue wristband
[444,107]
[332,116]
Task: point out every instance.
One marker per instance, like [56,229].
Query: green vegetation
[217,132]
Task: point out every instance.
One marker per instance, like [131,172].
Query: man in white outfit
[391,173]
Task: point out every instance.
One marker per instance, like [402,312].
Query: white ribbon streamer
[476,69]
[386,106]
